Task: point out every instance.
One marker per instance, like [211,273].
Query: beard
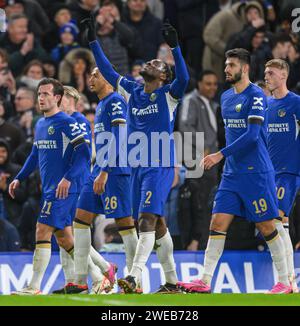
[235,78]
[147,76]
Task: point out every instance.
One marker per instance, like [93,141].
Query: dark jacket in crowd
[149,31]
[13,135]
[121,47]
[12,207]
[37,17]
[17,61]
[9,237]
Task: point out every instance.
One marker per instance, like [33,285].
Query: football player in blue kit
[284,149]
[68,105]
[248,186]
[61,153]
[107,190]
[151,109]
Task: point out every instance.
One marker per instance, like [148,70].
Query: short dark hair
[242,54]
[204,73]
[58,88]
[280,38]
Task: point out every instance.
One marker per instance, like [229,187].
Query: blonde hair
[72,92]
[279,64]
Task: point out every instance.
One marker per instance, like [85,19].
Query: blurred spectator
[30,213]
[191,17]
[21,45]
[171,208]
[119,41]
[32,74]
[264,87]
[135,71]
[294,60]
[83,105]
[10,209]
[37,17]
[60,15]
[7,84]
[217,33]
[277,48]
[12,134]
[112,239]
[156,8]
[81,9]
[137,15]
[9,237]
[68,41]
[25,108]
[255,22]
[199,114]
[50,68]
[75,70]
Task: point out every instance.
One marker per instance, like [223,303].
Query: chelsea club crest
[281,113]
[153,97]
[238,108]
[51,130]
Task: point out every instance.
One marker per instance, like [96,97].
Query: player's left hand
[170,35]
[100,182]
[62,190]
[210,160]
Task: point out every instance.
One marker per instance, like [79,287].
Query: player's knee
[161,228]
[124,222]
[266,228]
[147,222]
[84,217]
[42,233]
[217,226]
[79,223]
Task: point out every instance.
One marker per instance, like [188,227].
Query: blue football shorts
[287,186]
[58,213]
[252,196]
[115,202]
[150,188]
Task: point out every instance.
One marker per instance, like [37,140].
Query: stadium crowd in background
[44,39]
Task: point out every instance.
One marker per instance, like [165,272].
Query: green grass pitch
[153,300]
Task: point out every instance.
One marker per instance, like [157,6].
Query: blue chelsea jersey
[153,115]
[54,137]
[237,108]
[283,133]
[110,110]
[85,127]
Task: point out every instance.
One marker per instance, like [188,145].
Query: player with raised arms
[151,109]
[284,149]
[247,187]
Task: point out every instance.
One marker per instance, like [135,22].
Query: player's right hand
[62,190]
[12,187]
[89,25]
[100,182]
